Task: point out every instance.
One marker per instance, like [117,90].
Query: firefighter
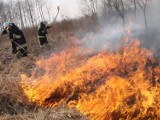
[42,31]
[18,41]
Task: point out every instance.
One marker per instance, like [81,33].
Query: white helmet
[45,22]
[6,24]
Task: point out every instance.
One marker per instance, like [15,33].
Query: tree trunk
[21,17]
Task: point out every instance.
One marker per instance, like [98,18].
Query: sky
[68,8]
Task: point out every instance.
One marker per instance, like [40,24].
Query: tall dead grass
[13,103]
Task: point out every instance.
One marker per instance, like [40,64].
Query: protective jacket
[42,31]
[19,44]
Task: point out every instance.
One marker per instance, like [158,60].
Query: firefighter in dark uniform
[18,41]
[42,31]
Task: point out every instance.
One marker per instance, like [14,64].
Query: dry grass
[60,113]
[14,104]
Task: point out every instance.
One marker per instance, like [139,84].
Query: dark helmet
[45,22]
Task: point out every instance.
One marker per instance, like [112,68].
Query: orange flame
[108,85]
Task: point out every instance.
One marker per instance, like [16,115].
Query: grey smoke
[111,30]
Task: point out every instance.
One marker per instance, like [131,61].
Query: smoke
[111,31]
[103,39]
[153,13]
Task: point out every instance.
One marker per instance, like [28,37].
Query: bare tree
[116,6]
[39,5]
[25,15]
[119,7]
[143,5]
[89,7]
[49,16]
[1,12]
[107,6]
[135,6]
[19,5]
[29,8]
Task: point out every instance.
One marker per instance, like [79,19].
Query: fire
[108,85]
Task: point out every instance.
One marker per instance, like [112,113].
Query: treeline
[120,7]
[31,12]
[24,12]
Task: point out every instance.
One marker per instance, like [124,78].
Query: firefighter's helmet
[6,25]
[45,22]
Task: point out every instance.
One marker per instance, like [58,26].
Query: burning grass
[14,103]
[108,85]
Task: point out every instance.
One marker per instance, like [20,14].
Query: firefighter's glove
[4,32]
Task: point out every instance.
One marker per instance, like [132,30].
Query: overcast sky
[70,8]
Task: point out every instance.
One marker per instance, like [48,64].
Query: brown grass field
[14,105]
[105,85]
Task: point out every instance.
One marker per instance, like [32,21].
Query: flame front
[108,85]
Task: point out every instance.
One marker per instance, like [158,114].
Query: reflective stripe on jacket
[41,36]
[17,36]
